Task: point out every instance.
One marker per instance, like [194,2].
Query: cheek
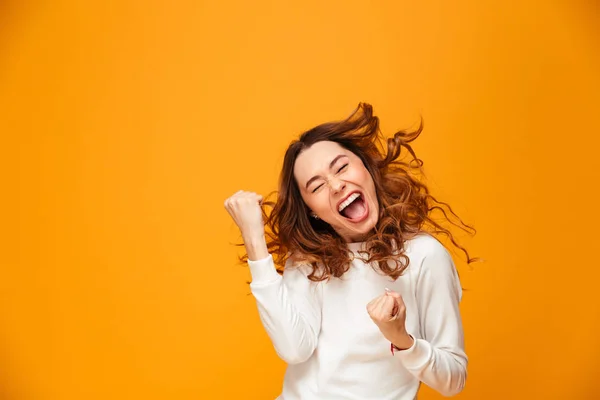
[364,178]
[317,202]
[321,202]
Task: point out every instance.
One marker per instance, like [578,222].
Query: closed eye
[339,170]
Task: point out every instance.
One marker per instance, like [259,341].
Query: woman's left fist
[388,312]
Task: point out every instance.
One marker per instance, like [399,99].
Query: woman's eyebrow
[331,164]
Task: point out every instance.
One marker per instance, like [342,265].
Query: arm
[289,308]
[288,305]
[439,359]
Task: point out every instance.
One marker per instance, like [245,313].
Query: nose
[337,185]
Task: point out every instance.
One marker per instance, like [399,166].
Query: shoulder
[429,257]
[296,263]
[432,268]
[424,245]
[295,260]
[296,275]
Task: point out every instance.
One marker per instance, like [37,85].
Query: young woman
[366,305]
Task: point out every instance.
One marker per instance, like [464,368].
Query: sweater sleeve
[439,359]
[289,308]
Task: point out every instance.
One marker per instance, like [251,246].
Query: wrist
[253,236]
[403,341]
[256,246]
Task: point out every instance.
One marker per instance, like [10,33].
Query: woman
[354,314]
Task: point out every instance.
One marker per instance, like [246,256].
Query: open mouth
[354,208]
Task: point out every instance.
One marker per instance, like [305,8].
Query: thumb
[393,294]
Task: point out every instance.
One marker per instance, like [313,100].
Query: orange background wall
[126,124]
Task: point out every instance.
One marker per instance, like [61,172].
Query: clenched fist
[388,312]
[245,209]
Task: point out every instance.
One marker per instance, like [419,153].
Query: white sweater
[332,347]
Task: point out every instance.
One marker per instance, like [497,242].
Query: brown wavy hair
[405,204]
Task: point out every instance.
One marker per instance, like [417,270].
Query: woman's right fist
[245,209]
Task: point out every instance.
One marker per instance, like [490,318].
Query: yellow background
[126,124]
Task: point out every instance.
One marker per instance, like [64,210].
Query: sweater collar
[356,246]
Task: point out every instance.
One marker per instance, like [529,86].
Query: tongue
[355,210]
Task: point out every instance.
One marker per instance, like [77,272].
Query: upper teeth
[349,200]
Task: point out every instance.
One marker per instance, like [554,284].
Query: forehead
[315,160]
